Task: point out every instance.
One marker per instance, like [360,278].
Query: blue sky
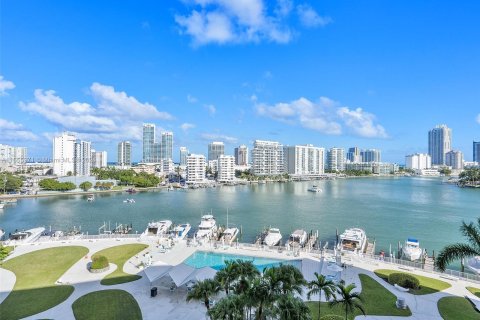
[372,74]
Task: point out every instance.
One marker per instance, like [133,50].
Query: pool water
[216,261]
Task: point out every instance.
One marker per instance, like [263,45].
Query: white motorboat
[2,205]
[180,232]
[207,227]
[315,188]
[2,232]
[91,198]
[473,264]
[129,201]
[297,239]
[229,235]
[273,237]
[411,250]
[354,240]
[157,228]
[26,236]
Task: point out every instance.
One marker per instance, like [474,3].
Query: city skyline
[347,82]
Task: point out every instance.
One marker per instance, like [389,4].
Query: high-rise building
[99,159]
[454,159]
[418,161]
[304,160]
[82,158]
[151,149]
[12,156]
[371,155]
[267,158]
[168,166]
[354,155]
[183,156]
[226,168]
[167,145]
[195,169]
[215,149]
[439,143]
[241,155]
[64,154]
[476,151]
[336,159]
[124,155]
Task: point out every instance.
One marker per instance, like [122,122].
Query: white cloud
[218,137]
[5,85]
[325,115]
[187,126]
[191,99]
[284,7]
[116,115]
[211,109]
[310,18]
[12,131]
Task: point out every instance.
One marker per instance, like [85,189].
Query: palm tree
[348,299]
[288,307]
[292,279]
[203,290]
[246,271]
[461,250]
[228,308]
[260,292]
[318,286]
[227,275]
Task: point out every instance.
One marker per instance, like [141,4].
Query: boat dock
[370,250]
[260,237]
[311,240]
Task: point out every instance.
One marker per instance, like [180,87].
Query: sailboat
[229,234]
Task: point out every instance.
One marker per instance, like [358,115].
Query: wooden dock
[311,240]
[370,250]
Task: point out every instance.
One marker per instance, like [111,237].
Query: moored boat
[315,188]
[26,236]
[129,201]
[473,264]
[207,227]
[273,237]
[157,228]
[91,198]
[298,238]
[411,250]
[354,240]
[229,235]
[180,232]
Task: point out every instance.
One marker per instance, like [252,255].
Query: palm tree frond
[455,252]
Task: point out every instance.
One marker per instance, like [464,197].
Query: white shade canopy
[157,270]
[181,273]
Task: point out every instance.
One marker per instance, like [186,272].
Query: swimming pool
[216,261]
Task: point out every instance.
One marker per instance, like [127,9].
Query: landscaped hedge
[404,280]
[99,262]
[331,317]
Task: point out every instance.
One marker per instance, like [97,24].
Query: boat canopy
[412,240]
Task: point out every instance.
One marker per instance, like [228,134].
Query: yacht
[297,239]
[129,201]
[411,250]
[180,232]
[315,188]
[473,264]
[91,198]
[157,228]
[27,236]
[354,240]
[273,237]
[2,205]
[229,235]
[207,227]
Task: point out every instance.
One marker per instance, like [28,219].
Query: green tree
[85,186]
[459,251]
[291,278]
[290,308]
[10,182]
[318,286]
[446,171]
[227,275]
[469,177]
[203,291]
[348,299]
[246,271]
[228,308]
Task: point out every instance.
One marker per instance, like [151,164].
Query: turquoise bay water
[201,259]
[389,209]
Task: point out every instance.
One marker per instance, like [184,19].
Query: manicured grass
[107,304]
[427,285]
[36,273]
[119,255]
[377,301]
[475,291]
[451,308]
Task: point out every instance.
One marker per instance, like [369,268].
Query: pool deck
[172,305]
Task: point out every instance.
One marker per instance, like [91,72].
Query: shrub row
[404,280]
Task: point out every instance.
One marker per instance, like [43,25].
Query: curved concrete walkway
[7,283]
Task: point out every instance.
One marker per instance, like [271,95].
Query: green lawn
[377,301]
[452,308]
[35,290]
[475,291]
[119,255]
[427,285]
[107,304]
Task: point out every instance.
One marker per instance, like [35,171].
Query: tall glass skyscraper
[476,151]
[439,143]
[215,149]
[151,150]
[183,156]
[167,145]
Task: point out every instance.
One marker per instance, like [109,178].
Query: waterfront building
[226,168]
[267,158]
[371,155]
[215,149]
[454,159]
[380,168]
[476,151]
[99,159]
[195,168]
[11,156]
[82,158]
[439,143]
[63,154]
[354,155]
[241,155]
[124,154]
[418,161]
[183,156]
[146,168]
[166,148]
[213,165]
[336,159]
[304,160]
[151,149]
[168,166]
